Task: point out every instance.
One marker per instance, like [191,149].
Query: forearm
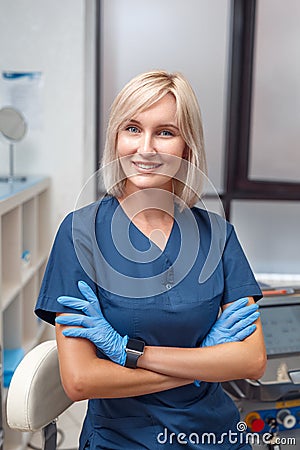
[105,379]
[223,362]
[160,368]
[86,376]
[234,360]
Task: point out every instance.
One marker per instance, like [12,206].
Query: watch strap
[134,349]
[132,359]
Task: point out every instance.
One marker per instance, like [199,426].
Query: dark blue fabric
[163,303]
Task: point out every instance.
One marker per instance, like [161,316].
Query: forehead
[163,109]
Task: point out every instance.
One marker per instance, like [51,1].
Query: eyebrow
[163,125]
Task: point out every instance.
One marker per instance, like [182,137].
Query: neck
[149,205]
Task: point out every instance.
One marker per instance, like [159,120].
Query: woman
[146,272]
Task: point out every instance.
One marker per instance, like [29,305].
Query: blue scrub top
[168,298]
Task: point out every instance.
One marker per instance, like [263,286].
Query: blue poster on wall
[23,91]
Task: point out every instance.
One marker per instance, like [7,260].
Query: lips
[145,166]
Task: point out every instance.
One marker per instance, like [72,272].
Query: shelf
[27,273]
[33,327]
[9,292]
[11,249]
[41,270]
[43,223]
[22,190]
[36,339]
[29,227]
[24,248]
[11,360]
[30,321]
[12,320]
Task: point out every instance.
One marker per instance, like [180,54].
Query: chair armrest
[35,395]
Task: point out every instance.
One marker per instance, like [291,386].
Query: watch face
[136,345]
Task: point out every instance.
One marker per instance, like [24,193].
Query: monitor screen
[281,327]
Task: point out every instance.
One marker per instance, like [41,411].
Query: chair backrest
[35,395]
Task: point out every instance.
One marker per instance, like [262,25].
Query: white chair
[35,396]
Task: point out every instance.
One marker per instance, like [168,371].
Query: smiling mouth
[147,166]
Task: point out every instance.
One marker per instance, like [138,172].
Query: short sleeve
[238,276]
[62,274]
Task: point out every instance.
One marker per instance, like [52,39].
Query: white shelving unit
[24,248]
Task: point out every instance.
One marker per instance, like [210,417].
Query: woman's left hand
[95,327]
[236,323]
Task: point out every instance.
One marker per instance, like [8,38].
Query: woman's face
[150,147]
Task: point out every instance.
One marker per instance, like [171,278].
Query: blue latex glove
[234,324]
[95,327]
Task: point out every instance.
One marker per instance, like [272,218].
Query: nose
[146,143]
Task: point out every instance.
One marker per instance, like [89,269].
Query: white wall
[55,37]
[177,35]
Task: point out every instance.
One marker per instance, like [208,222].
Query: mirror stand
[12,177]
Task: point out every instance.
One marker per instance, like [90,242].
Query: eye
[166,133]
[132,129]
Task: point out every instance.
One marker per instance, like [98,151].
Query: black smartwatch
[134,349]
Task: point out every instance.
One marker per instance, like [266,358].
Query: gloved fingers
[75,320]
[79,304]
[88,293]
[238,315]
[242,314]
[243,334]
[243,323]
[235,306]
[77,333]
[220,337]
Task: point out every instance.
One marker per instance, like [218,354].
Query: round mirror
[13,127]
[12,124]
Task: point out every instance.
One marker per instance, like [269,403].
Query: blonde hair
[138,95]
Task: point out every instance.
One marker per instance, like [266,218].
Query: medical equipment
[271,405]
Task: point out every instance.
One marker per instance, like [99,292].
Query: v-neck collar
[143,235]
[149,239]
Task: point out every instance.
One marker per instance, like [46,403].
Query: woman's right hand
[93,325]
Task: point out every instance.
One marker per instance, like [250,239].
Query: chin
[148,183]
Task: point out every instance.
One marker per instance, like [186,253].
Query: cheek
[180,151]
[182,148]
[175,148]
[124,146]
